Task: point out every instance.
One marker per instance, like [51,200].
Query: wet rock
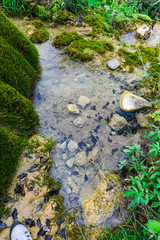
[94,154]
[83,101]
[48,237]
[79,122]
[34,168]
[23,175]
[14,214]
[39,224]
[63,233]
[101,198]
[117,122]
[72,108]
[48,222]
[69,190]
[44,160]
[130,102]
[114,150]
[29,30]
[7,199]
[113,64]
[70,162]
[46,229]
[24,181]
[2,226]
[19,189]
[93,108]
[63,145]
[60,221]
[72,146]
[39,207]
[72,185]
[142,31]
[41,232]
[143,120]
[80,158]
[30,222]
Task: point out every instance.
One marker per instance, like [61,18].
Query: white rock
[68,190]
[142,30]
[63,145]
[70,162]
[83,101]
[72,184]
[79,122]
[80,158]
[117,122]
[113,64]
[130,102]
[72,108]
[94,154]
[72,146]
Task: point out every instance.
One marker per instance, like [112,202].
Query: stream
[86,137]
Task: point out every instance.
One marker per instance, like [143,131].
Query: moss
[62,16]
[65,38]
[39,36]
[76,232]
[37,24]
[15,69]
[98,23]
[16,110]
[10,149]
[131,59]
[18,40]
[77,49]
[142,17]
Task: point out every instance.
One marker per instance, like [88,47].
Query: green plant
[49,145]
[13,7]
[39,36]
[43,12]
[155,116]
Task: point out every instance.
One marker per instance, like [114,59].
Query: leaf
[155,204]
[153,226]
[155,174]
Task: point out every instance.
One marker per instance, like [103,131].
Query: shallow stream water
[62,82]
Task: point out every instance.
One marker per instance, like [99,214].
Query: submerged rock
[117,122]
[70,162]
[130,102]
[113,64]
[80,158]
[72,108]
[101,198]
[143,120]
[94,154]
[72,146]
[83,101]
[79,122]
[142,32]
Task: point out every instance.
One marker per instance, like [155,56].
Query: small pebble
[48,237]
[41,232]
[68,190]
[39,224]
[30,222]
[93,108]
[2,226]
[48,222]
[114,151]
[23,175]
[7,199]
[14,214]
[39,207]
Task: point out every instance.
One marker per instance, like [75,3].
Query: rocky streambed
[79,107]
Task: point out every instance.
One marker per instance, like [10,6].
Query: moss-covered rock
[16,110]
[37,24]
[83,49]
[18,40]
[98,24]
[65,38]
[39,36]
[142,17]
[15,69]
[62,16]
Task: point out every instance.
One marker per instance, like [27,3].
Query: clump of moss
[62,16]
[39,36]
[10,149]
[18,40]
[15,69]
[37,24]
[77,49]
[143,17]
[16,110]
[98,24]
[65,38]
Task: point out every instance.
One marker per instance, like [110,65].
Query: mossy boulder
[18,40]
[15,69]
[39,36]
[84,49]
[62,16]
[143,17]
[37,24]
[65,38]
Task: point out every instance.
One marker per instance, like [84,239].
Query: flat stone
[117,122]
[72,108]
[70,162]
[83,101]
[131,103]
[143,120]
[72,146]
[94,154]
[80,158]
[63,145]
[72,184]
[113,64]
[79,122]
[68,190]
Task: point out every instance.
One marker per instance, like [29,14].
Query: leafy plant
[43,12]
[13,7]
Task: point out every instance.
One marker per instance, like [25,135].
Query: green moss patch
[39,36]
[83,49]
[65,38]
[37,24]
[143,17]
[18,40]
[98,23]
